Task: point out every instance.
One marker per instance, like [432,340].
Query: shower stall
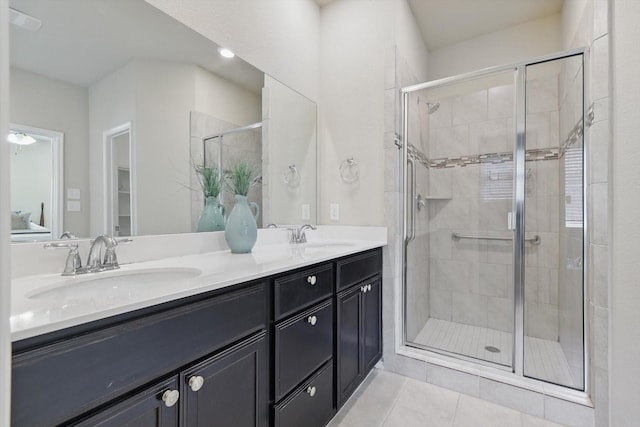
[494,218]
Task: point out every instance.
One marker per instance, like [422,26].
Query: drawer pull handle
[196,382]
[170,397]
[312,319]
[369,287]
[311,391]
[363,289]
[312,280]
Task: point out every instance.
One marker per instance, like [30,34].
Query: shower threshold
[544,359]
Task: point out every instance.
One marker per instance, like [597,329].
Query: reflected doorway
[119,178]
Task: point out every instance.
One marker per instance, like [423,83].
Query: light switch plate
[73,205]
[306,212]
[73,193]
[334,212]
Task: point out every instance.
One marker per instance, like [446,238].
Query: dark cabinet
[229,389]
[145,409]
[359,335]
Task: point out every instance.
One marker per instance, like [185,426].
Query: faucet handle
[73,264]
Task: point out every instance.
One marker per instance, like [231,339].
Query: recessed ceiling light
[226,53]
[22,20]
[20,138]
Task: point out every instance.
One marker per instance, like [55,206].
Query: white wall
[5,254]
[354,36]
[624,206]
[280,37]
[52,104]
[522,42]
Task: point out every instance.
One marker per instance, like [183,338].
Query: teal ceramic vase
[212,216]
[242,231]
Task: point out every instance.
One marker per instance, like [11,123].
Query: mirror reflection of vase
[212,216]
[241,231]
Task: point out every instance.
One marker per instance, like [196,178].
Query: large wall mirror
[133,103]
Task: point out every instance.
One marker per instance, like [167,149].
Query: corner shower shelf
[438,197]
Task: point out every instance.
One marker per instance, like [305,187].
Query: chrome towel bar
[534,240]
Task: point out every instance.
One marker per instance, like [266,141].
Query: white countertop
[33,312]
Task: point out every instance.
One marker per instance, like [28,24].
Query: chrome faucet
[73,264]
[298,234]
[95,262]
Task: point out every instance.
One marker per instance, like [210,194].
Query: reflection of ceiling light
[22,20]
[226,53]
[20,138]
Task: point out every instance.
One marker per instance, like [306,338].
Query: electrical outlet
[334,212]
[306,212]
[73,193]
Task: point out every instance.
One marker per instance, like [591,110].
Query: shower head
[432,107]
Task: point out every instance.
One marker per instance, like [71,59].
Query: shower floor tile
[543,359]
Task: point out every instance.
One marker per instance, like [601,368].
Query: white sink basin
[115,284]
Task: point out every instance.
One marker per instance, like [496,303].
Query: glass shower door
[458,229]
[554,206]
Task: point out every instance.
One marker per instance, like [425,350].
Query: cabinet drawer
[300,290]
[95,368]
[302,344]
[357,268]
[311,405]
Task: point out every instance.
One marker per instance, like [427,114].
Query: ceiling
[82,41]
[447,22]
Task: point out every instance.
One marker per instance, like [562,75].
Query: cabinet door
[349,343]
[145,409]
[372,324]
[228,389]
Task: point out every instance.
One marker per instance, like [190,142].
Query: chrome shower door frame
[519,157]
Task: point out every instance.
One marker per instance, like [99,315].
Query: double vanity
[278,337]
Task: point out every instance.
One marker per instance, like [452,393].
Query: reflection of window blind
[496,181]
[573,187]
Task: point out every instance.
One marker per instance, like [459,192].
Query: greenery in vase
[209,178]
[241,176]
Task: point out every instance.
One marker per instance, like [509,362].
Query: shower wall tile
[547,178]
[470,309]
[454,380]
[600,109]
[466,181]
[440,184]
[599,152]
[601,397]
[490,136]
[442,118]
[469,250]
[531,284]
[440,304]
[469,108]
[539,131]
[517,398]
[542,94]
[500,314]
[600,16]
[391,179]
[390,105]
[499,252]
[390,67]
[494,214]
[599,233]
[494,279]
[500,102]
[449,142]
[600,337]
[454,275]
[547,212]
[600,68]
[440,244]
[598,273]
[541,321]
[567,413]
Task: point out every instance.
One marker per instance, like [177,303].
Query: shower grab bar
[534,240]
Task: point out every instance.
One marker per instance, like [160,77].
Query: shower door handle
[411,232]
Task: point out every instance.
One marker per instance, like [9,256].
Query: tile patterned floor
[386,399]
[543,359]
